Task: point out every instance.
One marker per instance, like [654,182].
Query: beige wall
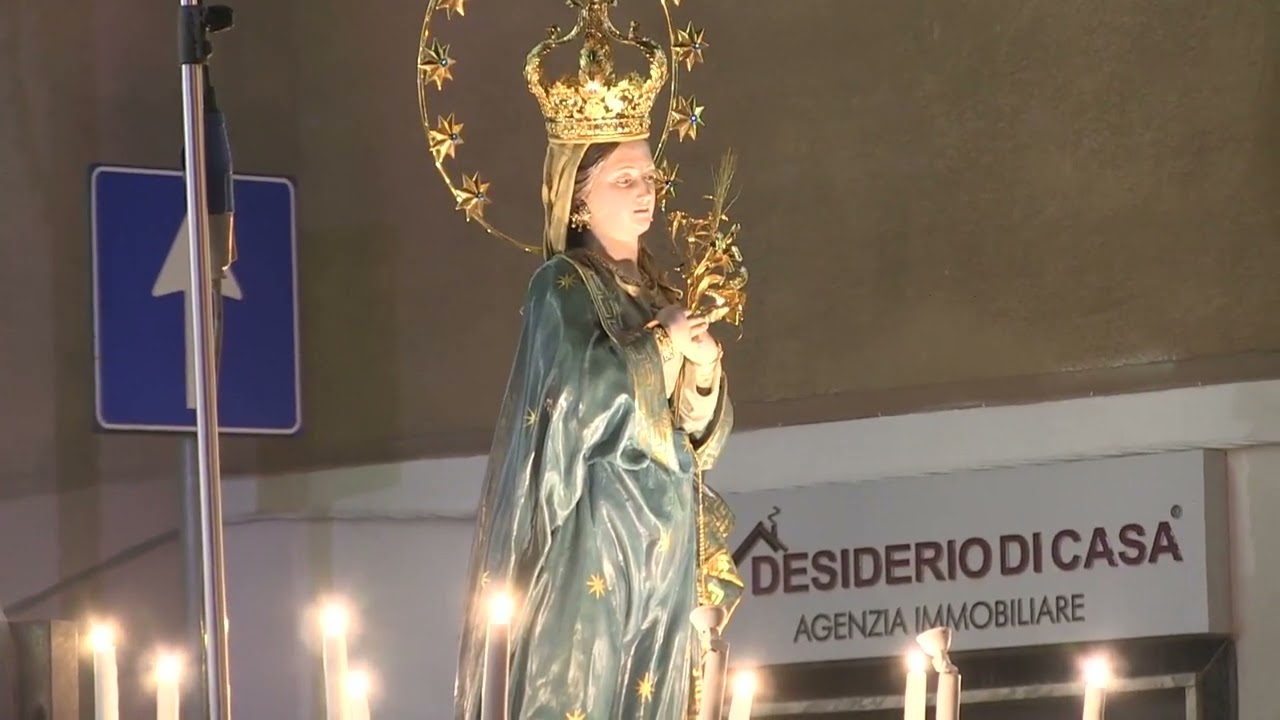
[945,204]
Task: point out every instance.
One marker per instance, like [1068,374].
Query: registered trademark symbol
[1175,512]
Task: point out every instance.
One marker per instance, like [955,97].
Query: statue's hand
[703,349]
[681,328]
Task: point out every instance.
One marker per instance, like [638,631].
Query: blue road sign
[142,326]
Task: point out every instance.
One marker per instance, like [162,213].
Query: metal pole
[192,573]
[209,475]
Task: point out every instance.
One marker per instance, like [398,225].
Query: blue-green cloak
[589,515]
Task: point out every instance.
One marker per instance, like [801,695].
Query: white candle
[744,691]
[916,697]
[168,673]
[948,701]
[106,686]
[333,623]
[708,619]
[715,666]
[1097,674]
[493,703]
[1095,703]
[358,695]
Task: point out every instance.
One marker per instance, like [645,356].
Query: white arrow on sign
[175,277]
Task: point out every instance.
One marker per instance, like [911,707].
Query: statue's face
[621,195]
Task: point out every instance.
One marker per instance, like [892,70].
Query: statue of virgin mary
[593,516]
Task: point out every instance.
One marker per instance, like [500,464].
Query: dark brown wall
[945,203]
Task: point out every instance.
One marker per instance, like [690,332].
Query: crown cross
[595,105]
[598,6]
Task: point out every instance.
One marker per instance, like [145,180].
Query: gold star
[452,6]
[664,541]
[446,137]
[436,64]
[597,586]
[530,417]
[689,45]
[687,117]
[565,281]
[575,715]
[665,181]
[645,688]
[473,196]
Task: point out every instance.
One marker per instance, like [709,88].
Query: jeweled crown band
[597,131]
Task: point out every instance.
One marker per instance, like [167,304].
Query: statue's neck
[621,253]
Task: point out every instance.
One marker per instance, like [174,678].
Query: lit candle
[744,690]
[168,675]
[1097,674]
[493,703]
[358,695]
[334,623]
[917,693]
[106,687]
[948,701]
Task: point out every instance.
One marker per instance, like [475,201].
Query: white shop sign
[1081,551]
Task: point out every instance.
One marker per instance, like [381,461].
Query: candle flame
[1097,672]
[334,619]
[102,637]
[501,608]
[168,668]
[744,683]
[358,684]
[917,661]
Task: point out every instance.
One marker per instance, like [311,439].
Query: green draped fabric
[588,515]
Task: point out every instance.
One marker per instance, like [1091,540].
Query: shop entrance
[1164,679]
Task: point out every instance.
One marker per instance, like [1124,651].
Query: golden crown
[595,105]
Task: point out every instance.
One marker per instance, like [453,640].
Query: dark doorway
[1157,679]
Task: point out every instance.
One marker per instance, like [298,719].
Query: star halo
[438,69]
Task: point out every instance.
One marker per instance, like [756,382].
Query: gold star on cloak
[446,137]
[473,196]
[686,118]
[436,63]
[597,586]
[645,688]
[565,281]
[575,715]
[530,417]
[664,541]
[689,45]
[452,6]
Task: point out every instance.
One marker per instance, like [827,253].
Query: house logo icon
[762,532]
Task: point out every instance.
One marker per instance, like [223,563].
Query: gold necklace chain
[612,265]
